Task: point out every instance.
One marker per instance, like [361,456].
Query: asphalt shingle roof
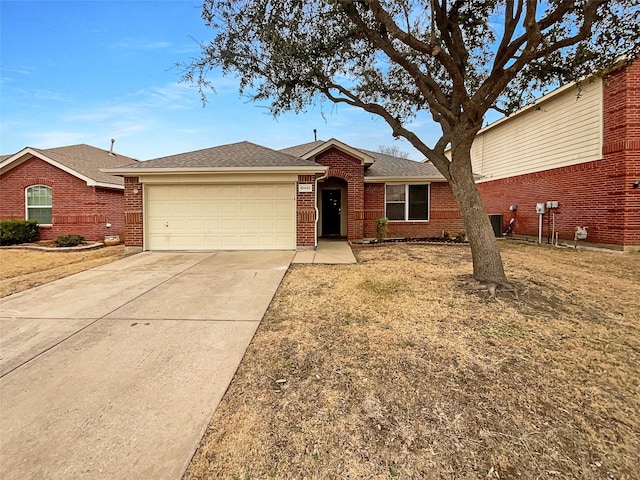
[384,166]
[390,166]
[300,150]
[86,160]
[242,154]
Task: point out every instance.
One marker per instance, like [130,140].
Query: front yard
[24,269]
[387,369]
[393,368]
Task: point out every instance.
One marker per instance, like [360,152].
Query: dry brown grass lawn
[386,369]
[24,269]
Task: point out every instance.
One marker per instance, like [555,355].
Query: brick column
[306,212]
[621,152]
[133,219]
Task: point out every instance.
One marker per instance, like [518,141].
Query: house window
[407,202]
[39,204]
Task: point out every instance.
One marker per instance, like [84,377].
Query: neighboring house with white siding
[579,147]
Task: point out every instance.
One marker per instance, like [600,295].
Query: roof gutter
[105,185]
[212,170]
[403,179]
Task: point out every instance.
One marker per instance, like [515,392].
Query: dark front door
[331,212]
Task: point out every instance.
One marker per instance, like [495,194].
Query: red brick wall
[598,194]
[350,169]
[133,225]
[581,193]
[373,207]
[622,142]
[444,215]
[306,213]
[77,208]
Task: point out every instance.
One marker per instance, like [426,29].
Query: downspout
[315,224]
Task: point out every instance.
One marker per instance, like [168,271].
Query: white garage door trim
[250,216]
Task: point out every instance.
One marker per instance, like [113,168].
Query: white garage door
[219,217]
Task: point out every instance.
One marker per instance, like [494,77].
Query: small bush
[13,232]
[69,240]
[461,236]
[381,228]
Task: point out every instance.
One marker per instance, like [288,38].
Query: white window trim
[406,202]
[26,204]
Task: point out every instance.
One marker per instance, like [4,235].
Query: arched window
[39,202]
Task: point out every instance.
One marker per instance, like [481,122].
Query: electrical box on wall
[540,208]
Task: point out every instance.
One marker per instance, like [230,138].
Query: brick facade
[76,207]
[597,194]
[444,215]
[350,169]
[134,226]
[373,208]
[306,213]
[364,205]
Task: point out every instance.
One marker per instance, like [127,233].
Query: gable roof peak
[239,155]
[309,150]
[81,160]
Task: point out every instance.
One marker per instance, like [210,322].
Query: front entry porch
[328,252]
[333,208]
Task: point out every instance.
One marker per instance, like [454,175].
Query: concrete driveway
[115,372]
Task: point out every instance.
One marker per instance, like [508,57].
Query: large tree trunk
[487,262]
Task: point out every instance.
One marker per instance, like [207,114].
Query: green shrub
[18,231]
[69,240]
[381,228]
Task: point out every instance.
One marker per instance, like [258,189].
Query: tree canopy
[452,60]
[399,58]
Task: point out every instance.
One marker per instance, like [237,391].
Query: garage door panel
[209,217]
[228,209]
[211,225]
[249,224]
[211,209]
[195,224]
[282,210]
[247,209]
[230,192]
[284,225]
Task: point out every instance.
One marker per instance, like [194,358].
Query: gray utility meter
[540,208]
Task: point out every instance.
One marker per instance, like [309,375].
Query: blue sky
[88,71]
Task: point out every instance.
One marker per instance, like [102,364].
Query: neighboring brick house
[245,196]
[577,147]
[64,190]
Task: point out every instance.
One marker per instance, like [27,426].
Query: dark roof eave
[126,172]
[395,178]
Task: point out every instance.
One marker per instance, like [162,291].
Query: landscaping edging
[90,246]
[407,241]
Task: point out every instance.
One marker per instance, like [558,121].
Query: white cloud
[131,44]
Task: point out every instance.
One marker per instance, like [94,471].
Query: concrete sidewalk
[115,372]
[331,252]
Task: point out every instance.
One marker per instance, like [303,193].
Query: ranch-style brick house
[246,196]
[577,147]
[65,190]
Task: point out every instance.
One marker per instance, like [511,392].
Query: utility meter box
[540,208]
